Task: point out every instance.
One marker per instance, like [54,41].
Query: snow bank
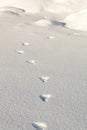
[32,6]
[54,6]
[74,12]
[77,20]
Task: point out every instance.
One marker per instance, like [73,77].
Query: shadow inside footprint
[45,97]
[44,79]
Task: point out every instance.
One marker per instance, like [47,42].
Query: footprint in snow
[20,51]
[31,62]
[25,43]
[51,37]
[44,78]
[39,125]
[45,97]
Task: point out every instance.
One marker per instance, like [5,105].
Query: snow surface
[77,9]
[43,54]
[77,20]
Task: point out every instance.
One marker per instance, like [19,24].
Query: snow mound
[77,20]
[65,7]
[43,22]
[12,10]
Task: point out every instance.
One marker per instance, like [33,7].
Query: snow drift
[74,12]
[77,20]
[54,6]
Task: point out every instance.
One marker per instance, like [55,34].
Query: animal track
[39,126]
[45,97]
[20,51]
[51,37]
[31,62]
[44,78]
[25,43]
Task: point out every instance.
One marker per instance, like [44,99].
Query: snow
[39,125]
[43,64]
[45,97]
[77,20]
[43,23]
[73,11]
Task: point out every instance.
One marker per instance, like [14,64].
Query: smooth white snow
[77,20]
